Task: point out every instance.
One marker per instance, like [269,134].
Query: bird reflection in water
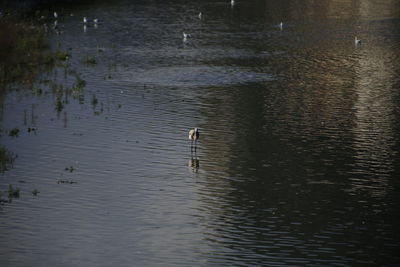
[194,162]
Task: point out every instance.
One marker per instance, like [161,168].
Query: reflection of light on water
[374,136]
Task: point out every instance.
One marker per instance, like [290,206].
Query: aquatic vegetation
[79,84]
[94,100]
[81,99]
[62,55]
[35,192]
[2,200]
[39,91]
[13,193]
[6,159]
[22,52]
[32,129]
[70,169]
[66,182]
[90,60]
[14,132]
[59,105]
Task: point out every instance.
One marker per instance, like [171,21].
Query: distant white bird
[200,15]
[357,41]
[232,2]
[85,20]
[194,135]
[55,15]
[185,36]
[95,21]
[281,25]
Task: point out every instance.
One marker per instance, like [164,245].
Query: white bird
[84,20]
[185,36]
[357,41]
[55,15]
[281,25]
[232,2]
[194,136]
[95,21]
[200,15]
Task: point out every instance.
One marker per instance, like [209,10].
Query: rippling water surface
[297,163]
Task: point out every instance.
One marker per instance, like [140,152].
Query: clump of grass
[13,193]
[90,60]
[14,132]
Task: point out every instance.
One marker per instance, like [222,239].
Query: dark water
[298,159]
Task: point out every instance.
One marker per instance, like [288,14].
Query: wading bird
[357,41]
[185,36]
[194,136]
[85,20]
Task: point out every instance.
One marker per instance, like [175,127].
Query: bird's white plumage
[194,134]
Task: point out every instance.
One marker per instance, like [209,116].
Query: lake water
[298,158]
